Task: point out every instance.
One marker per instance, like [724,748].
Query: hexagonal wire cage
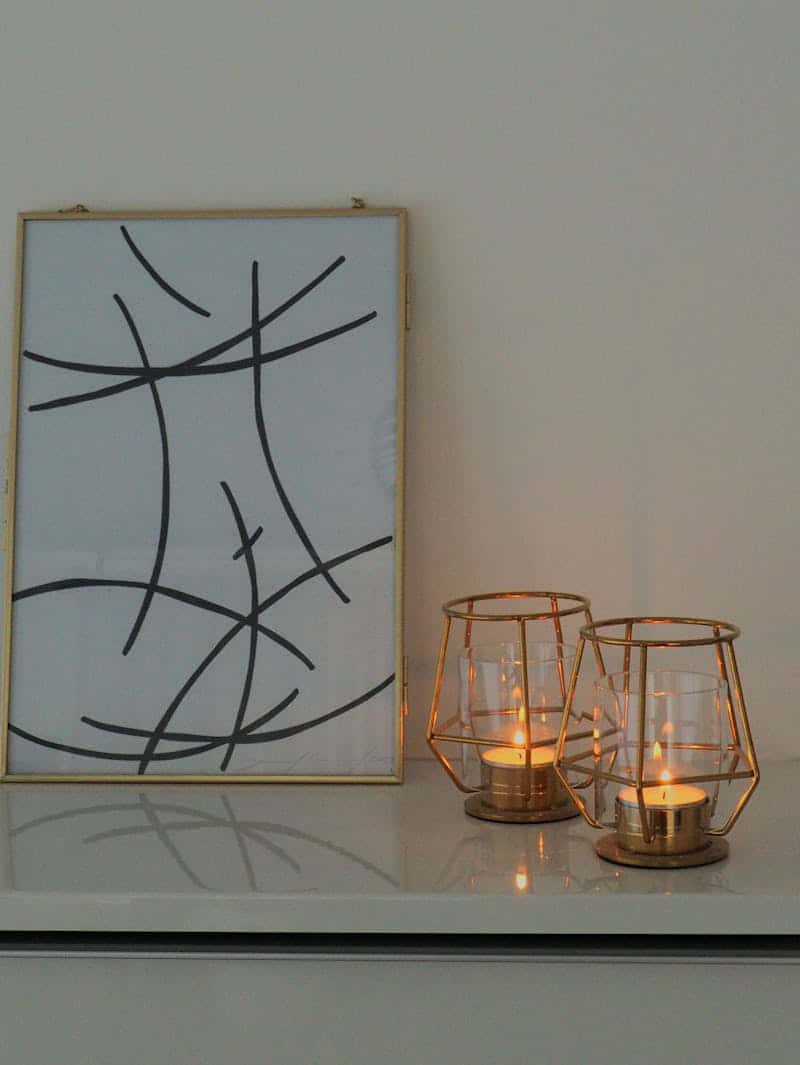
[671,762]
[506,702]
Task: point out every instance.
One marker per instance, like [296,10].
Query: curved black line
[247,735]
[108,756]
[207,745]
[149,751]
[258,410]
[207,604]
[294,730]
[216,650]
[159,280]
[251,657]
[181,369]
[195,737]
[216,349]
[73,583]
[309,574]
[250,541]
[163,529]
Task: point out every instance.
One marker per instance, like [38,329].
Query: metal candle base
[714,849]
[515,795]
[679,837]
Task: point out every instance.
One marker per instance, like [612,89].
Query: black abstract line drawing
[167,820]
[163,531]
[150,742]
[159,280]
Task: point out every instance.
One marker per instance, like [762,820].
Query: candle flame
[521,879]
[519,738]
[665,776]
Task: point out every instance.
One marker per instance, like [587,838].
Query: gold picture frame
[399,678]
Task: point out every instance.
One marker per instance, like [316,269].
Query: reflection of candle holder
[664,742]
[510,704]
[513,863]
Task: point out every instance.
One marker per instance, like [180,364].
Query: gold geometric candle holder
[506,702]
[670,764]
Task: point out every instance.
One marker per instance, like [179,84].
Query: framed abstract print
[204,567]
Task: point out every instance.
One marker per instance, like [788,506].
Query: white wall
[605,208]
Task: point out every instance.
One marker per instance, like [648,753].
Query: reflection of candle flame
[664,775]
[667,728]
[596,748]
[540,845]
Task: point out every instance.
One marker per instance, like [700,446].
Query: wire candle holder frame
[553,802]
[740,748]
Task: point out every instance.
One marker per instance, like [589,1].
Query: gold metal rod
[748,738]
[454,606]
[212,212]
[576,797]
[626,668]
[642,722]
[559,646]
[11,465]
[470,665]
[590,632]
[526,704]
[598,654]
[750,753]
[468,626]
[548,708]
[573,680]
[445,725]
[446,764]
[580,802]
[475,741]
[701,778]
[723,673]
[437,684]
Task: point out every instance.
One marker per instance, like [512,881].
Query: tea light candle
[520,784]
[677,815]
[666,795]
[513,757]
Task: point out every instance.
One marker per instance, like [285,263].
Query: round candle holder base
[476,807]
[714,849]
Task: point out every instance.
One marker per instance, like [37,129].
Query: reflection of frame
[206,497]
[211,839]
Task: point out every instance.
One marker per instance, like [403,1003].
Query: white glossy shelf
[366,859]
